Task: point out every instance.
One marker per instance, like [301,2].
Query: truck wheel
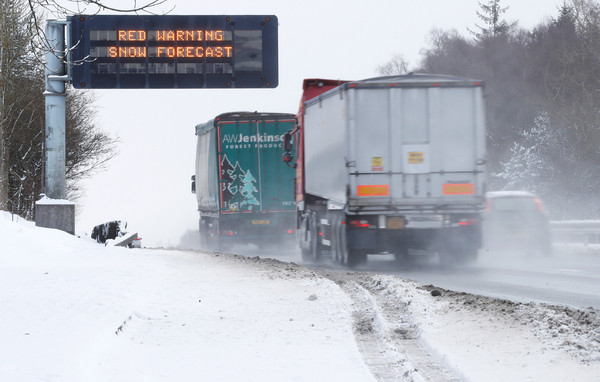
[458,256]
[213,241]
[315,246]
[402,256]
[335,240]
[356,257]
[447,259]
[349,257]
[306,255]
[204,237]
[302,237]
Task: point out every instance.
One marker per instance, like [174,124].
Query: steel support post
[56,75]
[54,211]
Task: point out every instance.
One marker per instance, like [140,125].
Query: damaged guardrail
[114,233]
[128,240]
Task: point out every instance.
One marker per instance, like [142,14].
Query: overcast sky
[148,183]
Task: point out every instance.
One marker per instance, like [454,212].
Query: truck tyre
[306,256]
[303,237]
[447,259]
[356,257]
[342,245]
[204,236]
[214,241]
[315,246]
[402,256]
[458,256]
[349,257]
[335,240]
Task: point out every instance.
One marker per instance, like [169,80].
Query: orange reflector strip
[373,190]
[458,189]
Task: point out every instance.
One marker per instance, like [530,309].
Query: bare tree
[22,105]
[40,10]
[67,7]
[13,37]
[87,149]
[396,66]
[3,162]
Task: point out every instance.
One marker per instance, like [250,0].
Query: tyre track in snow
[386,333]
[408,331]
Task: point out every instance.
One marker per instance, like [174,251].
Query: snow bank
[74,310]
[77,311]
[489,339]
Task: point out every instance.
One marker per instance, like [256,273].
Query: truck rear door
[416,145]
[251,174]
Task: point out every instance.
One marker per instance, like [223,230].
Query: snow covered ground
[73,310]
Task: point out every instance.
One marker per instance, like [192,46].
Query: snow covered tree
[547,162]
[531,165]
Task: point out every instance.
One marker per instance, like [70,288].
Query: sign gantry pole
[54,211]
[54,95]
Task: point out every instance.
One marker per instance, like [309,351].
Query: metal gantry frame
[56,77]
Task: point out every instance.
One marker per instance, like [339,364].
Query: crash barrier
[584,232]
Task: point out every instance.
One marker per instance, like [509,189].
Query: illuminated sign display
[127,51]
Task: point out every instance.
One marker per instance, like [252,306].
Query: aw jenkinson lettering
[169,51]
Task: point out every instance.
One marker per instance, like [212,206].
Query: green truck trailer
[245,192]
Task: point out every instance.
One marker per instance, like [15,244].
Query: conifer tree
[493,23]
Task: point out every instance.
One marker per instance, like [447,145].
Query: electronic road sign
[132,51]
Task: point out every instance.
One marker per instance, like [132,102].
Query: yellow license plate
[395,223]
[261,222]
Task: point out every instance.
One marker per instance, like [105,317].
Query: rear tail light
[359,223]
[539,204]
[290,231]
[467,221]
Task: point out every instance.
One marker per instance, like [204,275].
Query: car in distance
[516,221]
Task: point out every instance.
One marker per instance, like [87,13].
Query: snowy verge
[412,332]
[490,339]
[75,310]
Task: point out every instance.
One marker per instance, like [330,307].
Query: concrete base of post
[55,213]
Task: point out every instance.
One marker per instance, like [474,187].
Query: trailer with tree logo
[245,192]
